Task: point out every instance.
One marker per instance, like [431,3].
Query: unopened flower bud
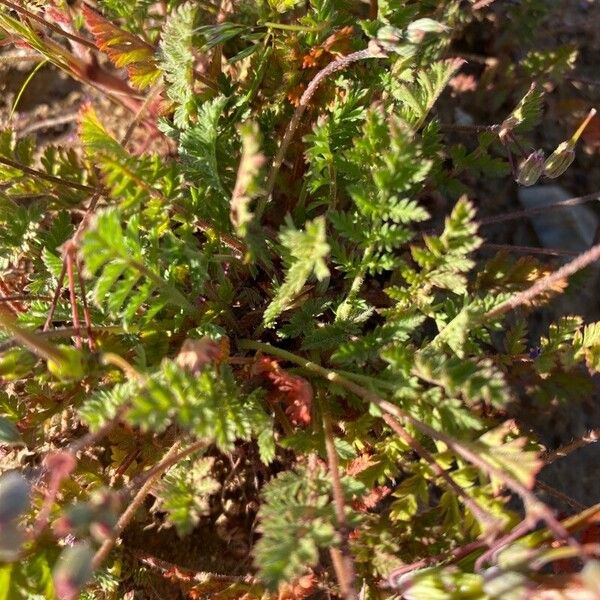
[560,160]
[417,30]
[531,169]
[14,496]
[73,570]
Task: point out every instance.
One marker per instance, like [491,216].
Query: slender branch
[330,69]
[139,115]
[57,291]
[66,332]
[454,554]
[41,175]
[34,342]
[48,123]
[530,249]
[560,495]
[591,437]
[344,565]
[23,297]
[537,210]
[483,516]
[104,550]
[546,283]
[72,296]
[467,128]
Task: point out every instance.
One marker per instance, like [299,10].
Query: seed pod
[560,160]
[73,570]
[14,496]
[417,30]
[531,169]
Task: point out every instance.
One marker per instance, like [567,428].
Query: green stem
[24,87]
[169,290]
[30,340]
[288,27]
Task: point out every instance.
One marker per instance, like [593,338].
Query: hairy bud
[560,160]
[14,496]
[417,30]
[531,169]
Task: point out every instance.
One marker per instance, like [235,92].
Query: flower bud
[531,169]
[560,160]
[14,496]
[73,570]
[417,30]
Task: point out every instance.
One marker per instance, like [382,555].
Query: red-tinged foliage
[124,49]
[294,392]
[359,464]
[337,44]
[372,499]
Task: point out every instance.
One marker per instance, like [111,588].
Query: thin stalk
[41,175]
[591,437]
[344,564]
[124,520]
[289,27]
[357,282]
[492,523]
[37,344]
[529,249]
[538,210]
[330,69]
[546,283]
[24,87]
[31,15]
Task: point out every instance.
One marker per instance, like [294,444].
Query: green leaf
[9,434]
[295,520]
[184,493]
[177,61]
[308,250]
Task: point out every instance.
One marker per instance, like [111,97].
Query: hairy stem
[344,564]
[546,283]
[41,175]
[330,69]
[135,503]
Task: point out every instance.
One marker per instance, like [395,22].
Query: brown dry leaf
[293,391]
[196,354]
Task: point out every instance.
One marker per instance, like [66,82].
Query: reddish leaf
[293,391]
[372,499]
[124,49]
